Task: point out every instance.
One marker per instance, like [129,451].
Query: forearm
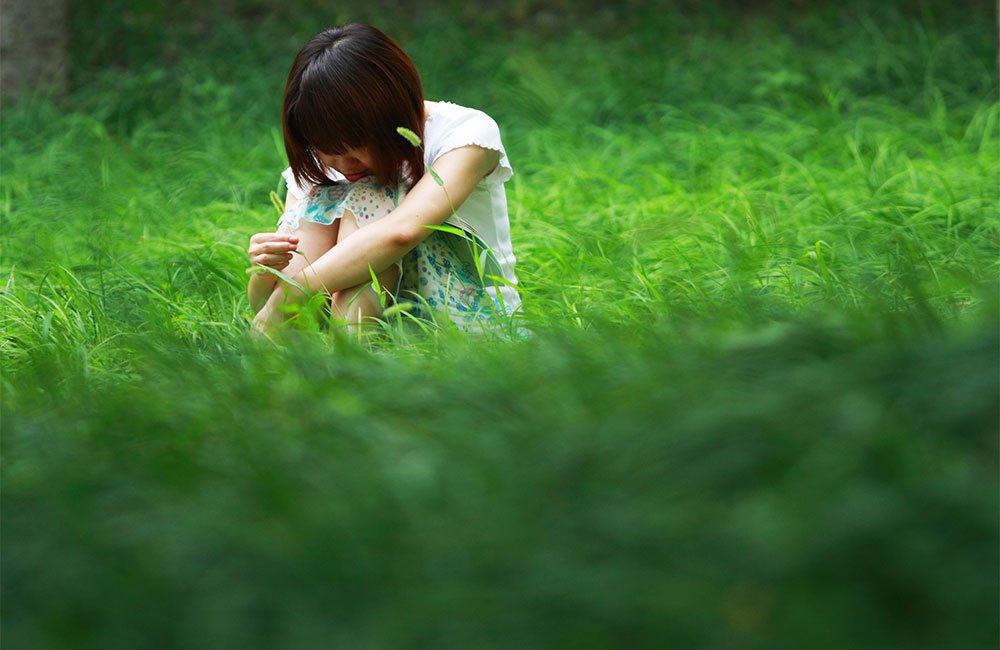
[346,265]
[259,289]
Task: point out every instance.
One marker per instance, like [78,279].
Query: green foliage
[757,409]
[799,486]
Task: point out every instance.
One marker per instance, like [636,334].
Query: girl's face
[352,163]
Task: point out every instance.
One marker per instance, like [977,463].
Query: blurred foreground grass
[759,254]
[795,488]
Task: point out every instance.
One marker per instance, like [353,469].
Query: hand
[272,249]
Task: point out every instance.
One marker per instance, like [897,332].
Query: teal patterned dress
[445,279]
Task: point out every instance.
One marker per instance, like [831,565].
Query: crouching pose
[383,182]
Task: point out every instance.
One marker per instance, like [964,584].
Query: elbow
[407,237]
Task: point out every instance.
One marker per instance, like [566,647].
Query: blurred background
[757,243]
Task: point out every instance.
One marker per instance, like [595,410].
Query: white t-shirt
[484,213]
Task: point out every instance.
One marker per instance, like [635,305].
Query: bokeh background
[757,245]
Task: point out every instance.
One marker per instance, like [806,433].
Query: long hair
[351,87]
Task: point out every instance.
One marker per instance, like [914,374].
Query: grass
[759,255]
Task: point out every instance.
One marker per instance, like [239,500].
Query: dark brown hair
[350,87]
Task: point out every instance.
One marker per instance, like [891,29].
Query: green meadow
[758,407]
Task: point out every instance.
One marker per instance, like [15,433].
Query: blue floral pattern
[438,277]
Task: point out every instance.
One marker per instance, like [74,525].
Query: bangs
[323,114]
[351,87]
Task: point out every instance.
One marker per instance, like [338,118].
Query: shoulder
[449,121]
[450,126]
[451,113]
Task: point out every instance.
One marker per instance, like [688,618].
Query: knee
[348,226]
[354,304]
[369,202]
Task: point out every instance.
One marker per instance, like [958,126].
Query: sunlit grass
[758,256]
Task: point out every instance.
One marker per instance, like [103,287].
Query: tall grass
[758,252]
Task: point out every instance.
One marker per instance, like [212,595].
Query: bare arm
[278,250]
[385,241]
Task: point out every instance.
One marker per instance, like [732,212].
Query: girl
[362,198]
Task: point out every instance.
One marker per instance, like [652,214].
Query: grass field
[757,250]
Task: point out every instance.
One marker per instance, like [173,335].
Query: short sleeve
[322,205]
[472,128]
[294,188]
[299,191]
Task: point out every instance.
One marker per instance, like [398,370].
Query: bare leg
[359,303]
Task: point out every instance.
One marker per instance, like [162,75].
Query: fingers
[272,249]
[275,261]
[262,237]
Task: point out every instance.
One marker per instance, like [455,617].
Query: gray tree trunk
[33,39]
